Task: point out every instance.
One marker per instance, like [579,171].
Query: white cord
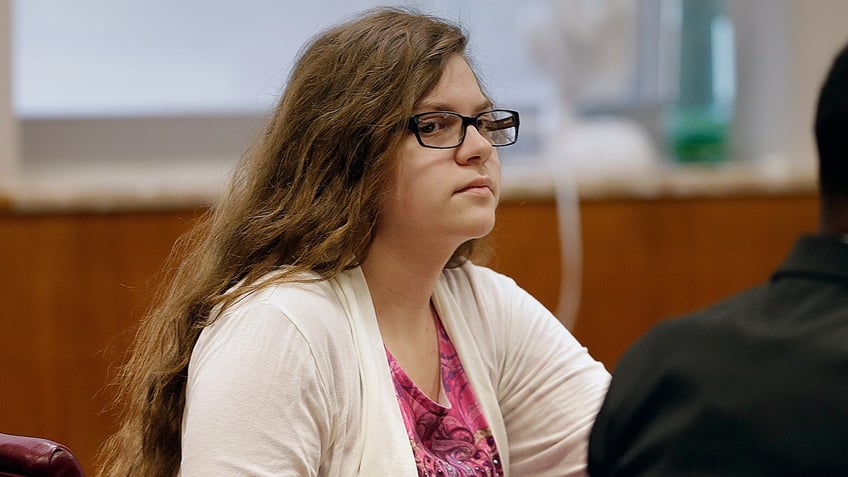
[567,201]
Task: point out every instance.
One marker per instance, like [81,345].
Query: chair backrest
[22,456]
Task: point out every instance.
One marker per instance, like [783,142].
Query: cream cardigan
[293,380]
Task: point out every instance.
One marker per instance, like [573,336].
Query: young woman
[327,319]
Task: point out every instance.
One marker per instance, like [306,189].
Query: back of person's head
[306,197]
[832,130]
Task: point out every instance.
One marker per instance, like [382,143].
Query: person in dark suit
[756,385]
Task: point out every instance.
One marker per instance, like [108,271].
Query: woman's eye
[431,126]
[498,124]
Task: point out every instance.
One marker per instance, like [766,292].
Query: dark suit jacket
[754,386]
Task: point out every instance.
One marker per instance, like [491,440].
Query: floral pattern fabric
[451,440]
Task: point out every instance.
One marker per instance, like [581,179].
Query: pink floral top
[446,441]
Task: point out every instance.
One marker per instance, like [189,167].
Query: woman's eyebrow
[428,106]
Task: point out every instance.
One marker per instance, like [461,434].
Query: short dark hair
[832,129]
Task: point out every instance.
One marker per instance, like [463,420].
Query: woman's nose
[475,147]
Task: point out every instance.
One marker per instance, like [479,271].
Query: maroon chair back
[22,456]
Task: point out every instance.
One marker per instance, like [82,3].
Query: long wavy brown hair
[305,197]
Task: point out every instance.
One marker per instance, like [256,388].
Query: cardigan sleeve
[550,388]
[257,403]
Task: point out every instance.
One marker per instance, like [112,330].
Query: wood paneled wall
[645,260]
[73,286]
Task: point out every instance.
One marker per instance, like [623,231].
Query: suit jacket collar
[816,256]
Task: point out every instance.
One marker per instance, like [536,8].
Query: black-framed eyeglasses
[446,129]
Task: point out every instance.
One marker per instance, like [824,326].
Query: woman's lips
[480,185]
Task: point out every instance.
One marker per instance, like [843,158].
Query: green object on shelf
[696,122]
[698,133]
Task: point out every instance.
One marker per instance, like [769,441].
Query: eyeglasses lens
[446,130]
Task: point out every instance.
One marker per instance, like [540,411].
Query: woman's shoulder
[482,294]
[491,295]
[301,295]
[476,277]
[308,304]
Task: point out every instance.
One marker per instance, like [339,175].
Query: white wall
[763,30]
[234,64]
[8,121]
[820,29]
[87,58]
[121,82]
[784,50]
